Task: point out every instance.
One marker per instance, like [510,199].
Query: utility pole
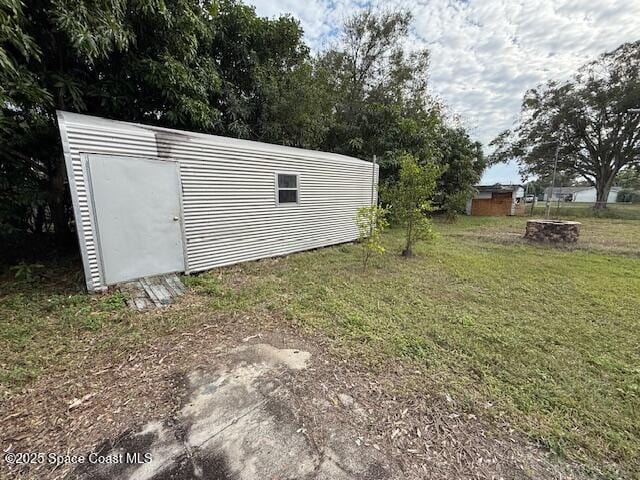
[553,182]
[373,191]
[373,179]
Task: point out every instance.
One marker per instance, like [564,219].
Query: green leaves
[16,48]
[95,28]
[13,35]
[371,222]
[70,90]
[587,116]
[377,90]
[410,199]
[463,162]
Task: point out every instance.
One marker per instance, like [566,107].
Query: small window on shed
[287,188]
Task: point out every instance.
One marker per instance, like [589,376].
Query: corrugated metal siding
[228,192]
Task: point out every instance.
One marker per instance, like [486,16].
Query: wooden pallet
[153,292]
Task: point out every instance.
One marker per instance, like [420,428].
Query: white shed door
[138,214]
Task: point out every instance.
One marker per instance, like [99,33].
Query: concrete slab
[237,423]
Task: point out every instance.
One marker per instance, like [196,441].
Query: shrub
[454,204]
[410,200]
[371,221]
[25,271]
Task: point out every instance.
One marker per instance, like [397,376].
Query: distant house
[584,194]
[496,200]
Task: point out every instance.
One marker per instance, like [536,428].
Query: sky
[485,54]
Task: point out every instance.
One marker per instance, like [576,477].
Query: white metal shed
[150,200]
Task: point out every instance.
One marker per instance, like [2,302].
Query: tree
[383,107]
[371,222]
[410,199]
[462,162]
[588,117]
[379,92]
[629,180]
[455,203]
[266,76]
[536,187]
[210,66]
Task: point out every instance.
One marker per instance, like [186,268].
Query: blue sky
[486,53]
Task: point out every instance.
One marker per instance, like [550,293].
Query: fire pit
[553,231]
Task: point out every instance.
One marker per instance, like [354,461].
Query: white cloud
[486,53]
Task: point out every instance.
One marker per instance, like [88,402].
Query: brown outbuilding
[496,200]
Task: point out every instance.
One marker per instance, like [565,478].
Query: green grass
[549,336]
[50,322]
[626,211]
[37,323]
[609,236]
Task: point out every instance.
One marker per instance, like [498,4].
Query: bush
[410,200]
[628,196]
[454,204]
[371,221]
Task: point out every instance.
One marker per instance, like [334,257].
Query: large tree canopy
[587,117]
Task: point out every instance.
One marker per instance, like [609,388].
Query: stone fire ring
[556,231]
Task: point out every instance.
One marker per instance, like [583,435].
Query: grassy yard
[547,338]
[628,211]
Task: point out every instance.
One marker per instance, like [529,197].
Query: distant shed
[150,200]
[496,200]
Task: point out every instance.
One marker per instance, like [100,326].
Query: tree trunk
[57,203]
[603,187]
[38,220]
[407,252]
[57,189]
